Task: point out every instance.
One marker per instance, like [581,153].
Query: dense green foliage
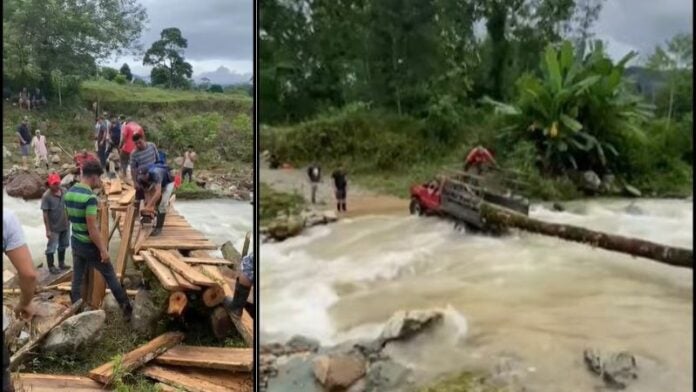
[46,43]
[395,90]
[273,203]
[126,72]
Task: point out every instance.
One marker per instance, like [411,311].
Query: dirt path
[360,201]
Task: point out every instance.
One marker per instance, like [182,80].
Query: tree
[40,37]
[126,72]
[216,88]
[675,58]
[166,55]
[108,73]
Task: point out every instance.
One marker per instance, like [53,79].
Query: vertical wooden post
[124,249]
[98,286]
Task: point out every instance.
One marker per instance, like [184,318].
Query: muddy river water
[540,301]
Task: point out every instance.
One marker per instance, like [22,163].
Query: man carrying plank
[235,305]
[88,246]
[16,249]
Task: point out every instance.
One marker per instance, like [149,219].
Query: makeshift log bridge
[179,261]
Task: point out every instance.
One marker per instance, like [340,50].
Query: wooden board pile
[179,260]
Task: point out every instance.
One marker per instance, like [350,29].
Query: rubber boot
[159,225]
[61,260]
[50,260]
[235,305]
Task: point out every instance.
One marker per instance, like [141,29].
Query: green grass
[463,382]
[106,91]
[273,203]
[191,191]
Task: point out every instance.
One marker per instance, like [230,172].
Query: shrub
[120,79]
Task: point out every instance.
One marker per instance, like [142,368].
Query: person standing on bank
[340,188]
[314,174]
[24,139]
[189,161]
[56,222]
[89,248]
[15,247]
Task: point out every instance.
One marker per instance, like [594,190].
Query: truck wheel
[415,207]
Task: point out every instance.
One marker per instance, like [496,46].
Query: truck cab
[425,198]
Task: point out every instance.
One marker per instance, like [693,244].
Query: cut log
[177,303]
[231,254]
[245,327]
[185,270]
[53,382]
[18,356]
[161,271]
[200,380]
[138,357]
[231,359]
[679,257]
[213,296]
[97,283]
[220,322]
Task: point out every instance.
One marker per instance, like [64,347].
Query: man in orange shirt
[128,130]
[479,157]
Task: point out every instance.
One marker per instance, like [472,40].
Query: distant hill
[223,76]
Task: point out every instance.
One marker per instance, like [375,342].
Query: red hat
[53,179]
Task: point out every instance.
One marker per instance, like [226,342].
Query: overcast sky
[641,24]
[219,33]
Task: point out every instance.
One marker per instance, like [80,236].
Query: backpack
[168,172]
[161,157]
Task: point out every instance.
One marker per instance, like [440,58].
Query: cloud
[219,33]
[640,25]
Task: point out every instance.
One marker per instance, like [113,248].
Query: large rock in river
[405,324]
[27,185]
[338,372]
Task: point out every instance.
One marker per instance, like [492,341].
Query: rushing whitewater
[538,299]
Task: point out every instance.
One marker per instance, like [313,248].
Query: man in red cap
[56,222]
[127,145]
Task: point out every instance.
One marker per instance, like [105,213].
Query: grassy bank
[218,125]
[272,203]
[388,153]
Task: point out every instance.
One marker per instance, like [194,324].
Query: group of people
[31,100]
[340,185]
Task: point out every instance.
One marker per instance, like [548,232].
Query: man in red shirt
[128,130]
[479,157]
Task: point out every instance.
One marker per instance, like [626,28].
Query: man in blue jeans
[88,247]
[15,247]
[56,222]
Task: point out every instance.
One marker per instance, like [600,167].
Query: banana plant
[568,110]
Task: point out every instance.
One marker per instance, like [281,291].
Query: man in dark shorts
[314,174]
[144,155]
[88,246]
[24,138]
[56,222]
[15,247]
[340,188]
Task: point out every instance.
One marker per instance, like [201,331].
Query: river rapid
[220,220]
[537,300]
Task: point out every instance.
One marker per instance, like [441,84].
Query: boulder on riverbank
[24,184]
[75,332]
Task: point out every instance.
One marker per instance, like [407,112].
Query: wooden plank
[138,258]
[185,270]
[98,286]
[19,355]
[142,237]
[183,283]
[247,241]
[127,197]
[245,327]
[232,359]
[53,382]
[62,278]
[66,287]
[206,260]
[123,249]
[163,273]
[115,186]
[173,244]
[200,380]
[138,357]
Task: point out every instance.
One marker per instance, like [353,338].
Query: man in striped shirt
[144,155]
[88,246]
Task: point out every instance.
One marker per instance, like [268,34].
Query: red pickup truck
[425,198]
